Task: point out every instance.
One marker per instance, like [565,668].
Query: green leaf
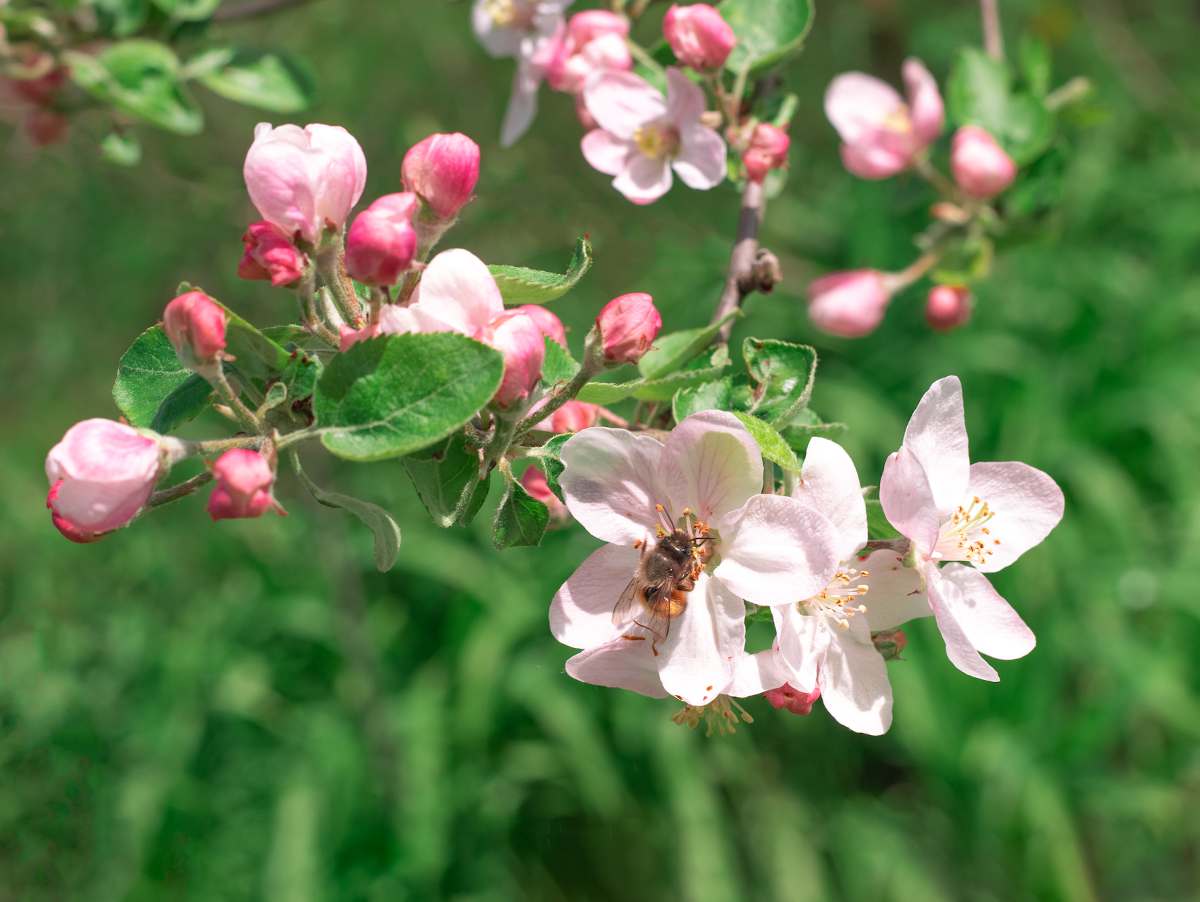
[264,79]
[784,372]
[121,148]
[657,389]
[141,78]
[773,446]
[183,404]
[559,365]
[121,18]
[521,520]
[768,31]
[254,354]
[1034,61]
[188,10]
[549,457]
[878,526]
[374,517]
[300,375]
[519,285]
[674,349]
[715,395]
[147,374]
[965,261]
[391,396]
[446,478]
[980,92]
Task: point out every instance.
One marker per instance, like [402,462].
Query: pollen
[968,531]
[656,141]
[509,13]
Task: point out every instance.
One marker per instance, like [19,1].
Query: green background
[248,710]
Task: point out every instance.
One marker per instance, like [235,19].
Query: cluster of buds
[31,88]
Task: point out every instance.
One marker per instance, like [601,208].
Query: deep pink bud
[244,480]
[270,254]
[628,326]
[590,24]
[768,150]
[698,35]
[980,165]
[789,697]
[595,41]
[518,338]
[101,474]
[574,416]
[850,304]
[948,307]
[442,170]
[195,324]
[550,324]
[533,480]
[381,242]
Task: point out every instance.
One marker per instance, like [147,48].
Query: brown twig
[745,274]
[182,490]
[253,9]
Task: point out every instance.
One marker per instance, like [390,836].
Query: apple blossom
[575,416]
[850,304]
[442,169]
[270,254]
[699,36]
[628,325]
[948,307]
[987,514]
[195,324]
[381,241]
[643,136]
[881,134]
[595,41]
[102,474]
[244,480]
[627,489]
[550,324]
[304,179]
[768,150]
[518,338]
[530,31]
[980,166]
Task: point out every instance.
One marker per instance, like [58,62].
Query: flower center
[509,13]
[967,536]
[840,600]
[898,121]
[656,141]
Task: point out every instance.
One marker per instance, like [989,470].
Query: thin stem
[739,281]
[332,268]
[234,400]
[502,439]
[182,490]
[253,9]
[915,270]
[216,446]
[639,53]
[926,170]
[1075,89]
[993,37]
[592,364]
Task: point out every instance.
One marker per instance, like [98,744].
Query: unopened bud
[890,643]
[269,254]
[789,697]
[628,326]
[382,241]
[442,170]
[518,338]
[550,324]
[698,35]
[195,324]
[768,150]
[534,482]
[980,166]
[850,304]
[948,307]
[244,481]
[574,416]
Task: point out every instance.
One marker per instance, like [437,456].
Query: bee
[667,571]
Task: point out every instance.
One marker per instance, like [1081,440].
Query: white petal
[685,98]
[522,105]
[496,40]
[959,648]
[854,682]
[711,465]
[620,664]
[1026,504]
[937,437]
[777,550]
[610,483]
[644,179]
[621,103]
[457,289]
[896,593]
[907,500]
[802,639]
[829,483]
[987,620]
[856,103]
[757,673]
[581,613]
[701,160]
[604,152]
[695,661]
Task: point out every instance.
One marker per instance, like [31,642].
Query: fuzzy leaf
[768,31]
[446,478]
[559,365]
[519,285]
[673,350]
[149,375]
[379,521]
[549,458]
[521,520]
[141,78]
[784,372]
[772,445]
[715,395]
[264,79]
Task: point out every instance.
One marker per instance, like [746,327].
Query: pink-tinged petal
[497,40]
[1025,504]
[621,103]
[701,160]
[457,289]
[896,593]
[685,99]
[874,160]
[959,648]
[581,613]
[856,104]
[829,483]
[757,673]
[854,682]
[522,105]
[937,437]
[695,661]
[711,465]
[604,152]
[925,106]
[907,500]
[776,550]
[620,664]
[610,483]
[988,621]
[644,179]
[802,640]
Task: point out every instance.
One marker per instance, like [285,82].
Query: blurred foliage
[249,710]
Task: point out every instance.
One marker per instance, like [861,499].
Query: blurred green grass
[248,710]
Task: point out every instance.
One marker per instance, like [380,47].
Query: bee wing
[653,615]
[628,602]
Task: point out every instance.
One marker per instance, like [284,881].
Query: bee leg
[687,583]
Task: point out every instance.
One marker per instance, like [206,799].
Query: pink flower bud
[518,338]
[101,474]
[628,326]
[574,416]
[381,242]
[698,35]
[304,179]
[789,697]
[948,307]
[533,480]
[590,24]
[980,165]
[270,254]
[442,170]
[244,480]
[595,41]
[768,150]
[850,304]
[195,324]
[550,324]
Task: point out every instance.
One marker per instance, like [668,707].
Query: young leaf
[254,354]
[121,18]
[446,478]
[715,395]
[768,31]
[394,395]
[520,519]
[662,389]
[141,78]
[519,285]
[184,403]
[673,350]
[980,92]
[121,148]
[549,458]
[784,373]
[147,375]
[805,425]
[773,446]
[379,521]
[268,80]
[188,10]
[559,365]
